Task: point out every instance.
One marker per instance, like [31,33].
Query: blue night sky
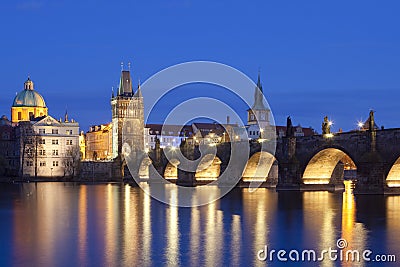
[335,58]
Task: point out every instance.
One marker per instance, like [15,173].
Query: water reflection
[58,224]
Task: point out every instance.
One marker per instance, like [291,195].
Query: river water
[65,224]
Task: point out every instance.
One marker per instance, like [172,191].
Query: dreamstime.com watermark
[339,253]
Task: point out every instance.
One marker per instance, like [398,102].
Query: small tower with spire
[259,113]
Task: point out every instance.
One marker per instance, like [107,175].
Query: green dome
[29,97]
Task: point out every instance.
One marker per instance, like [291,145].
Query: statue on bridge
[326,126]
[289,127]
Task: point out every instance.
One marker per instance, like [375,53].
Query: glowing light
[237,137]
[260,140]
[212,144]
[393,183]
[360,124]
[173,148]
[330,123]
[315,181]
[329,135]
[261,130]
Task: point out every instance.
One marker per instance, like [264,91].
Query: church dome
[29,97]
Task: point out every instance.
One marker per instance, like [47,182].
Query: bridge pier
[371,178]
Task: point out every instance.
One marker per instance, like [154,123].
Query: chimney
[228,120]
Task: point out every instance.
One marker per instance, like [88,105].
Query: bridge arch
[260,167]
[320,168]
[171,170]
[393,177]
[209,168]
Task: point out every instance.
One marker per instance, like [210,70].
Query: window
[55,163]
[54,142]
[54,131]
[29,151]
[19,116]
[42,152]
[42,163]
[42,141]
[69,142]
[55,152]
[29,163]
[42,131]
[69,132]
[30,115]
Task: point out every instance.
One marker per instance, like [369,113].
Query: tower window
[19,116]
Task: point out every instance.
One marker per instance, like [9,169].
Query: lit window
[54,131]
[54,142]
[69,142]
[55,152]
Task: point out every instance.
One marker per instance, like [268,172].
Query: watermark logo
[339,253]
[190,157]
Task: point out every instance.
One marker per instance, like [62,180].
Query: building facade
[48,148]
[99,142]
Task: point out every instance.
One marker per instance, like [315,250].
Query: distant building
[28,104]
[99,142]
[9,157]
[169,135]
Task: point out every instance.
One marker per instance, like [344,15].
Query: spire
[112,92]
[125,83]
[259,81]
[138,91]
[66,115]
[258,95]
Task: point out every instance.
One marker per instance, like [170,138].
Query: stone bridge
[317,162]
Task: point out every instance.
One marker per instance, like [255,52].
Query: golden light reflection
[236,240]
[111,226]
[354,233]
[82,225]
[392,225]
[130,250]
[213,235]
[173,235]
[147,234]
[195,233]
[320,220]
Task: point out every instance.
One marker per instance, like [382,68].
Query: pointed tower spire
[112,92]
[66,115]
[125,84]
[258,95]
[259,81]
[138,91]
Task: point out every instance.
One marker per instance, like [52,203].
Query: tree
[30,143]
[72,161]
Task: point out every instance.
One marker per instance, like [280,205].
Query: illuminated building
[48,147]
[128,112]
[28,104]
[99,142]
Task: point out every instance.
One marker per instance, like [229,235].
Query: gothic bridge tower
[127,116]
